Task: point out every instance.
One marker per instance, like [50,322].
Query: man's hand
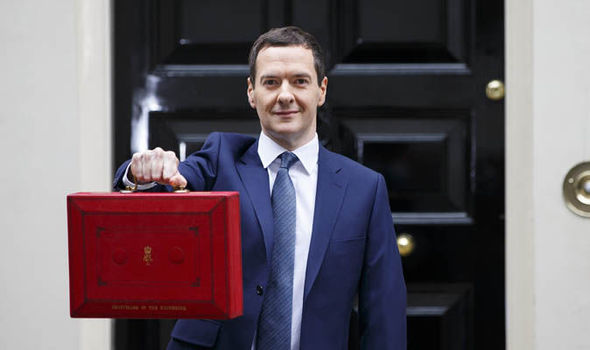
[156,165]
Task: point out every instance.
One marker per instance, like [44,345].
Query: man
[316,226]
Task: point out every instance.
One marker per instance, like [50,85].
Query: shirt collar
[268,151]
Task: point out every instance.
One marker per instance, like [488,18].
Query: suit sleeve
[382,294]
[199,169]
[118,180]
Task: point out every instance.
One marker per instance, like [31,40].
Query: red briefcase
[155,255]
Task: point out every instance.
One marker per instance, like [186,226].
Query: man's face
[286,94]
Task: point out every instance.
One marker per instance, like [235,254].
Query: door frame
[94,40]
[520,313]
[94,91]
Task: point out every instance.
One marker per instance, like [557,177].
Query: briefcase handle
[130,189]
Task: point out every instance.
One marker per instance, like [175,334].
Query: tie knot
[288,159]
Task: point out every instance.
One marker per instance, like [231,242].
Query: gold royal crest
[147,255]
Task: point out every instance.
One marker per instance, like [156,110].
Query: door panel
[423,156]
[406,98]
[380,31]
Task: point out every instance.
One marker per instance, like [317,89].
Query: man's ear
[323,91]
[250,93]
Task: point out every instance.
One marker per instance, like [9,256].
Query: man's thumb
[178,181]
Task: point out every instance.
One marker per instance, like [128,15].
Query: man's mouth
[286,112]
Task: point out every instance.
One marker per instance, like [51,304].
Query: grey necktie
[274,328]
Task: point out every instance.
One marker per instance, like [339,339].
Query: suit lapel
[255,180]
[330,193]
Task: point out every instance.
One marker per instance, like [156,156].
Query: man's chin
[288,132]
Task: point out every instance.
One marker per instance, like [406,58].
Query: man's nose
[285,94]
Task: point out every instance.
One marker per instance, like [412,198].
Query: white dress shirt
[304,175]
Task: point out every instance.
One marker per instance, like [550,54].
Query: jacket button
[259,290]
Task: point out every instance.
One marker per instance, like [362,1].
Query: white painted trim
[520,210]
[94,67]
[94,93]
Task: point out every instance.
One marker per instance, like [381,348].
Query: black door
[406,97]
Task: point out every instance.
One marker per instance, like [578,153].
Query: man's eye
[301,81]
[269,82]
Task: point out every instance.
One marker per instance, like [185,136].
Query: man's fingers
[136,168]
[170,165]
[146,172]
[170,173]
[178,180]
[156,165]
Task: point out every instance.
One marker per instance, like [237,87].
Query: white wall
[548,132]
[55,139]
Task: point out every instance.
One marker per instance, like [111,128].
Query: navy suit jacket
[353,250]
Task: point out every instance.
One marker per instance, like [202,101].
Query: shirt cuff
[140,187]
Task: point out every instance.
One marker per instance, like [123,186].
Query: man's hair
[287,36]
